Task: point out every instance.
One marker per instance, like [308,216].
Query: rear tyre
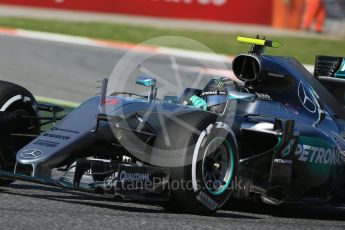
[14,99]
[203,163]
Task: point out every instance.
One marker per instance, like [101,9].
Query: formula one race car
[276,134]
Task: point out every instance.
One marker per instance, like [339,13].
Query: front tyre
[213,166]
[14,99]
[205,180]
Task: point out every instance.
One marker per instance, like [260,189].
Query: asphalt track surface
[69,72]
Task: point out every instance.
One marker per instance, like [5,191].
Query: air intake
[246,67]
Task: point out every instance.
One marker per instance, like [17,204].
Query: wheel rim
[217,166]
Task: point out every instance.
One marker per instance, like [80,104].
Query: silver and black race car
[276,134]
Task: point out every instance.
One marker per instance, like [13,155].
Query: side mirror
[250,97]
[149,82]
[146,81]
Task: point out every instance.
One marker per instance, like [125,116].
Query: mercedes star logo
[31,154]
[306,98]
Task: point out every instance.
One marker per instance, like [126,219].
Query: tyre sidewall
[18,99]
[203,198]
[13,98]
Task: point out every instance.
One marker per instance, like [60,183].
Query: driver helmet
[216,96]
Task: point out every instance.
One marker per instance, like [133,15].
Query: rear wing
[328,66]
